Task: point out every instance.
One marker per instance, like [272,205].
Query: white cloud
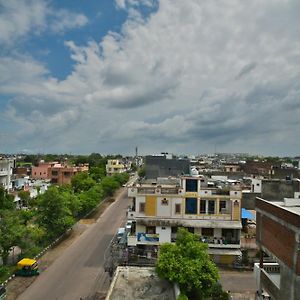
[192,75]
[18,19]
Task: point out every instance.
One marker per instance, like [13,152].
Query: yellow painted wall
[150,208]
[236,215]
[226,259]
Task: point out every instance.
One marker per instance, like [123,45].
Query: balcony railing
[219,241]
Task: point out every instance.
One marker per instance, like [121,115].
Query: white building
[6,170]
[214,214]
[115,166]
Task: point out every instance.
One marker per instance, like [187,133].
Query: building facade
[215,215]
[6,171]
[62,174]
[278,236]
[115,166]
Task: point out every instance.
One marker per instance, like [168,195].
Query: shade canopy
[246,214]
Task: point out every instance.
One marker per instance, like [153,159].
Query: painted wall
[164,234]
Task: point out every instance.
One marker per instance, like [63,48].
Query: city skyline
[182,77]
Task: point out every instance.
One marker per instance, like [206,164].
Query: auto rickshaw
[27,267]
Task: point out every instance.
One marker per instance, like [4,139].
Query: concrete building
[43,170]
[215,214]
[115,166]
[165,165]
[278,235]
[62,174]
[6,171]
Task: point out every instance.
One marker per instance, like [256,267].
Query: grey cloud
[246,69]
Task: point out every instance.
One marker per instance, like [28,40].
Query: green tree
[142,172]
[82,182]
[6,200]
[54,213]
[97,173]
[11,232]
[109,185]
[187,263]
[25,197]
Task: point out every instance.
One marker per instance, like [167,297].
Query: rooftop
[131,283]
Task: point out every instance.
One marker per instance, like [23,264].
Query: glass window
[202,206]
[191,185]
[222,208]
[142,207]
[177,208]
[191,206]
[211,206]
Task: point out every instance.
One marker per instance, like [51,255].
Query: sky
[183,77]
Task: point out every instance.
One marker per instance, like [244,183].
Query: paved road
[79,271]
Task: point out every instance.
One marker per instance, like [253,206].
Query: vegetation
[187,263]
[51,213]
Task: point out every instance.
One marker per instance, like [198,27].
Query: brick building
[278,236]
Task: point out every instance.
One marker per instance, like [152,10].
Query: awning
[246,214]
[189,223]
[224,251]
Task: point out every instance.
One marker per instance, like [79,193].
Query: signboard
[146,237]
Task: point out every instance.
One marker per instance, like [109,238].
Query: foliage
[82,182]
[109,185]
[182,297]
[54,214]
[218,294]
[25,197]
[11,232]
[97,173]
[6,200]
[142,172]
[187,263]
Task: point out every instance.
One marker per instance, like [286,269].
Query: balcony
[4,173]
[268,277]
[220,242]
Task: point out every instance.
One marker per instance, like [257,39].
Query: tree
[142,172]
[25,197]
[11,232]
[187,263]
[109,185]
[82,182]
[97,173]
[6,200]
[54,214]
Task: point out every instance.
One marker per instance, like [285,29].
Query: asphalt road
[79,272]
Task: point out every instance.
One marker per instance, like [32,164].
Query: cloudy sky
[164,75]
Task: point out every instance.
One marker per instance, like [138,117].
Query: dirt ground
[18,285]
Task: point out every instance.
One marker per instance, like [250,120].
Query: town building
[165,165]
[6,171]
[62,174]
[278,236]
[158,210]
[43,170]
[115,166]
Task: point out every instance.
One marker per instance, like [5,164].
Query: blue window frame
[191,206]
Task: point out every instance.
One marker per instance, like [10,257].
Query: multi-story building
[214,214]
[6,170]
[278,236]
[43,170]
[165,165]
[115,166]
[62,174]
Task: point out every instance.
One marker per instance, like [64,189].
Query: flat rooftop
[130,283]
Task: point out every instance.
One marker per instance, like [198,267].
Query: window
[191,185]
[177,208]
[211,207]
[142,207]
[54,173]
[165,201]
[150,229]
[202,206]
[222,208]
[191,206]
[67,174]
[207,231]
[174,229]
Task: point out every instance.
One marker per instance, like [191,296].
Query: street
[79,272]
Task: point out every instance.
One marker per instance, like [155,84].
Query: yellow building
[114,166]
[214,214]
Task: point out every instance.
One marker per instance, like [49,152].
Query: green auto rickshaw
[27,267]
